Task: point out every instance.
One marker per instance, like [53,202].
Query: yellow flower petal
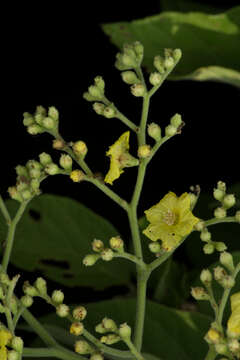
[3,353]
[5,336]
[233,324]
[114,172]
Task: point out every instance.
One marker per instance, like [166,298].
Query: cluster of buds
[227,201]
[7,298]
[101,252]
[42,120]
[175,126]
[206,237]
[7,340]
[113,333]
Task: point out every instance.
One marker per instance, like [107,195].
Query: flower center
[169,217]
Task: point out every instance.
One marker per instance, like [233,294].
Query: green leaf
[210,43]
[189,5]
[54,235]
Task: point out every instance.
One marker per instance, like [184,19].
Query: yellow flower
[119,158]
[5,336]
[170,220]
[233,324]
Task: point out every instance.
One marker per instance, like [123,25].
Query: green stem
[211,355]
[52,352]
[143,122]
[11,233]
[227,219]
[130,257]
[133,350]
[4,211]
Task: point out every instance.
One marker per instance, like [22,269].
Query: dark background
[51,54]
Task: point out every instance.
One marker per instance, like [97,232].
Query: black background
[51,54]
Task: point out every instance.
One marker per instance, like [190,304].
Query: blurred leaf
[190,5]
[55,234]
[210,43]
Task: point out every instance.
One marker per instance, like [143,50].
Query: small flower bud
[226,260]
[28,119]
[109,325]
[170,130]
[26,194]
[100,83]
[229,201]
[35,173]
[57,296]
[79,313]
[17,344]
[98,108]
[80,148]
[221,186]
[237,216]
[27,300]
[52,169]
[95,92]
[29,289]
[83,348]
[91,259]
[205,235]
[154,131]
[176,120]
[220,246]
[234,346]
[177,54]
[213,336]
[139,50]
[208,249]
[154,247]
[155,78]
[169,63]
[40,110]
[65,162]
[34,129]
[218,194]
[129,77]
[219,273]
[4,279]
[228,282]
[138,90]
[97,245]
[220,213]
[100,329]
[158,63]
[199,293]
[96,356]
[41,286]
[110,339]
[62,310]
[144,151]
[206,276]
[107,255]
[45,159]
[76,328]
[128,61]
[77,175]
[12,355]
[125,331]
[116,243]
[49,123]
[221,349]
[21,171]
[53,113]
[58,144]
[109,112]
[89,97]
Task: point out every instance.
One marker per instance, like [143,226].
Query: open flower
[5,336]
[233,324]
[119,158]
[170,220]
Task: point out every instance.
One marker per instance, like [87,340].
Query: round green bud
[82,347]
[128,61]
[98,108]
[139,50]
[79,313]
[28,119]
[220,213]
[66,162]
[208,249]
[176,120]
[41,110]
[45,159]
[95,92]
[17,343]
[49,123]
[26,194]
[29,289]
[205,235]
[77,175]
[144,151]
[4,279]
[229,201]
[138,90]
[109,112]
[170,130]
[226,260]
[76,328]
[116,243]
[91,259]
[228,282]
[154,247]
[41,285]
[62,310]
[110,339]
[12,355]
[99,82]
[219,273]
[52,169]
[154,131]
[97,245]
[57,296]
[96,356]
[221,186]
[158,63]
[34,129]
[58,144]
[35,173]
[107,255]
[125,331]
[80,148]
[26,300]
[234,345]
[237,216]
[206,276]
[177,54]
[221,348]
[169,63]
[22,186]
[218,194]
[199,293]
[155,78]
[219,246]
[14,194]
[100,329]
[21,171]
[109,324]
[53,113]
[39,118]
[129,77]
[89,97]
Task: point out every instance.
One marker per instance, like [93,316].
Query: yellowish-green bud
[226,260]
[155,78]
[41,285]
[17,344]
[221,186]
[208,249]
[110,339]
[14,194]
[234,346]
[80,148]
[41,110]
[129,77]
[65,162]
[229,201]
[176,120]
[107,255]
[49,123]
[154,131]
[27,300]
[52,169]
[95,92]
[205,235]
[138,90]
[79,313]
[206,277]
[158,63]
[34,129]
[97,245]
[144,151]
[177,54]
[26,194]
[53,113]
[220,246]
[21,171]
[77,175]
[99,328]
[218,194]
[76,328]
[57,296]
[237,216]
[28,119]
[219,273]
[139,50]
[169,63]
[91,259]
[154,247]
[125,331]
[213,336]
[58,144]
[128,61]
[109,112]
[220,213]
[96,356]
[199,293]
[221,349]
[109,324]
[98,108]
[228,282]
[199,226]
[4,279]
[99,82]
[29,289]
[62,310]
[83,347]
[12,355]
[116,243]
[170,130]
[45,159]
